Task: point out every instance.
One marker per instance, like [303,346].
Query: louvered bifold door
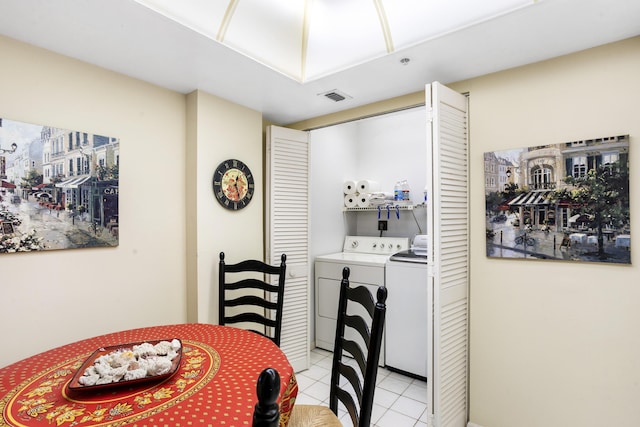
[287,231]
[447,132]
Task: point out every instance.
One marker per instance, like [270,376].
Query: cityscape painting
[58,188]
[566,201]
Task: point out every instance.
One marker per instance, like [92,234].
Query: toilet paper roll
[364,200]
[351,200]
[349,187]
[367,186]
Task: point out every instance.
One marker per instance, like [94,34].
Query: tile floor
[399,401]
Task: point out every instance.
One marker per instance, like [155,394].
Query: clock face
[233,184]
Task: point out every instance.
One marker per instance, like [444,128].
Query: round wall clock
[233,184]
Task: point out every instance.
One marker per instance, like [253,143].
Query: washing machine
[408,278]
[366,258]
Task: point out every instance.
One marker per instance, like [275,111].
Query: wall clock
[233,184]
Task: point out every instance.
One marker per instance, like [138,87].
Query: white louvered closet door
[287,231]
[447,138]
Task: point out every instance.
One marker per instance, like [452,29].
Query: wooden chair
[360,372]
[267,411]
[255,311]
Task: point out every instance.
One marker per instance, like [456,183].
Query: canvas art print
[567,201]
[58,188]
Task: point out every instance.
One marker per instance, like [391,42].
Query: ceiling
[310,39]
[176,52]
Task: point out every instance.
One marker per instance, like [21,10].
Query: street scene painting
[567,201]
[58,188]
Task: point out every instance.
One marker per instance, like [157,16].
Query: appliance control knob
[381,245]
[354,244]
[375,245]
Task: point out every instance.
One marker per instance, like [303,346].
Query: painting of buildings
[566,201]
[59,188]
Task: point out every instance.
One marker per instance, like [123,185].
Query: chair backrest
[267,412]
[360,325]
[263,313]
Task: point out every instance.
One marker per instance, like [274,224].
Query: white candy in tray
[136,362]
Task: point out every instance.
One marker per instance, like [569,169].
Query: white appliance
[366,257]
[407,278]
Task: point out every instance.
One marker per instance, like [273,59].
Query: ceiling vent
[335,95]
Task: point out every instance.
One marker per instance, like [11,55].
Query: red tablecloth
[215,384]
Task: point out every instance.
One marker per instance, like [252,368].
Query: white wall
[333,154]
[52,298]
[555,344]
[385,149]
[223,131]
[393,147]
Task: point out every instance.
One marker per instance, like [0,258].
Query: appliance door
[408,321]
[328,276]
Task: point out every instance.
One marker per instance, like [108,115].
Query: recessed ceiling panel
[342,34]
[415,21]
[310,39]
[269,32]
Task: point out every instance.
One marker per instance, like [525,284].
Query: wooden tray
[74,385]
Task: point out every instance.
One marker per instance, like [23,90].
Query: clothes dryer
[407,277]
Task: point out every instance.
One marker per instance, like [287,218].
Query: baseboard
[470,424]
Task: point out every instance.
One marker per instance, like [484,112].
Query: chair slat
[250,317]
[251,300]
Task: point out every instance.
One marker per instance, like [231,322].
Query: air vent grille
[335,95]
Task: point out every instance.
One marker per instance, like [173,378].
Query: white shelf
[384,208]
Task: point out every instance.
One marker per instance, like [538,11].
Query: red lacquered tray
[74,385]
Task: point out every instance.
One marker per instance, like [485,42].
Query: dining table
[213,382]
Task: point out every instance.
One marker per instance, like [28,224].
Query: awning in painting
[73,182]
[531,198]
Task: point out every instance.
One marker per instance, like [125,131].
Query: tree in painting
[602,195]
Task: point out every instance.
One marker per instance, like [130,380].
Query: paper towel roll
[351,200]
[349,187]
[364,200]
[367,186]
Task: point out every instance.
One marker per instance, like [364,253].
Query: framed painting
[58,188]
[567,201]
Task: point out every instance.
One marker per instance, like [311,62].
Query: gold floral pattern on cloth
[288,400]
[45,399]
[215,384]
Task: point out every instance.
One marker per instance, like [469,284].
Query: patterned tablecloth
[215,384]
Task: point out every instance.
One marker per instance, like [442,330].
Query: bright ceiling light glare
[309,39]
